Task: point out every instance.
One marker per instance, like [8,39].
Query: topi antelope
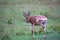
[36,20]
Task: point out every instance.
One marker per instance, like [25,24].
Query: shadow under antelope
[40,20]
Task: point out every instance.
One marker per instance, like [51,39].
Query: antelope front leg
[32,30]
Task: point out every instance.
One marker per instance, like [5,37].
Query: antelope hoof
[32,37]
[45,36]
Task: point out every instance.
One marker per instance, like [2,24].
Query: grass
[37,37]
[14,27]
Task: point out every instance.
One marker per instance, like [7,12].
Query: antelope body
[40,20]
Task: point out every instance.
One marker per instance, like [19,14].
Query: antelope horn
[23,12]
[29,12]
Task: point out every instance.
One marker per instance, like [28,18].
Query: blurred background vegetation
[13,25]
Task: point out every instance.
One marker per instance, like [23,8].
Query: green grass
[37,37]
[14,27]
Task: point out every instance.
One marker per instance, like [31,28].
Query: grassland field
[14,27]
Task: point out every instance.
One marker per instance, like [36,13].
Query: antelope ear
[23,13]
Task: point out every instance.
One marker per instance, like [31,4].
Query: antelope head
[26,15]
